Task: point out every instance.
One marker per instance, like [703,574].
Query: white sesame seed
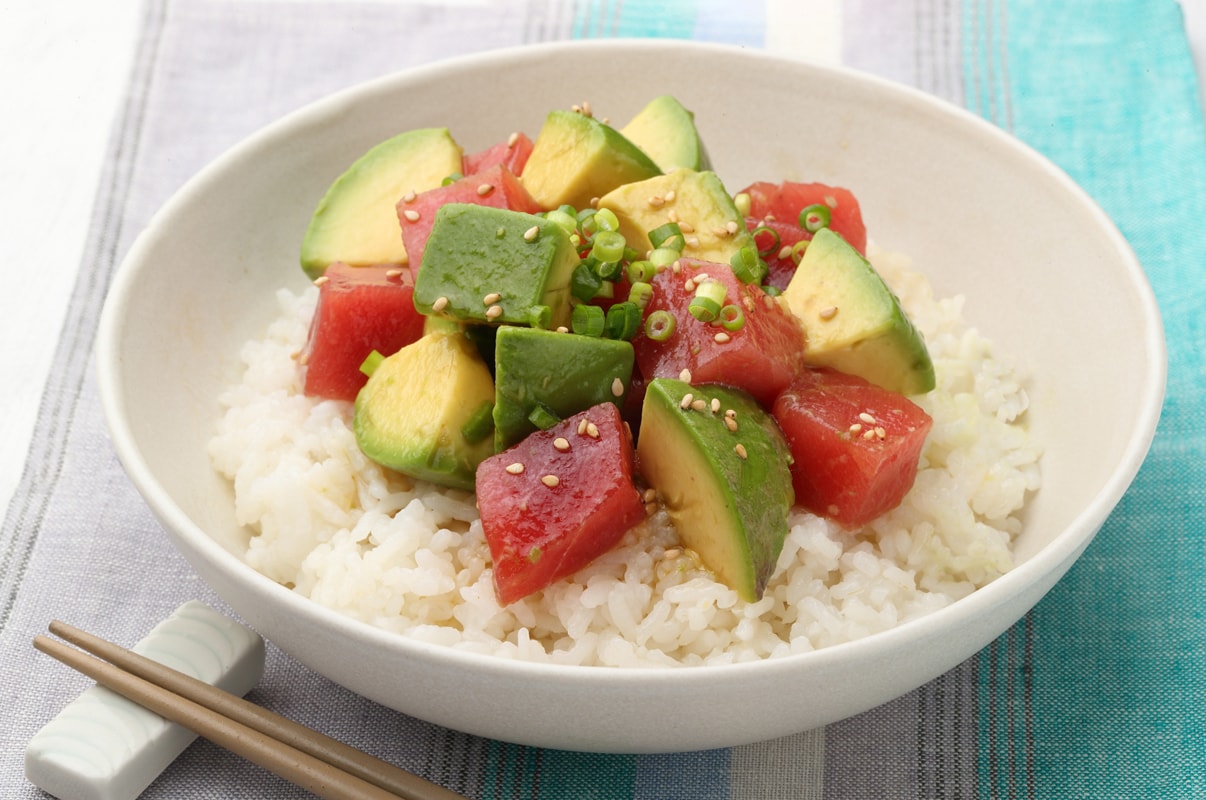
[670,196]
[303,359]
[582,426]
[785,251]
[731,423]
[828,312]
[689,285]
[531,233]
[691,241]
[393,273]
[722,337]
[649,496]
[672,215]
[512,139]
[740,450]
[617,388]
[686,227]
[672,552]
[562,329]
[561,444]
[440,304]
[484,189]
[515,468]
[320,280]
[550,481]
[409,197]
[411,215]
[592,430]
[880,433]
[715,405]
[732,227]
[699,405]
[491,298]
[676,267]
[494,312]
[656,201]
[685,376]
[855,428]
[869,434]
[867,418]
[586,109]
[686,401]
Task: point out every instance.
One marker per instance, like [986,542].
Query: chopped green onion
[773,291]
[451,179]
[623,321]
[587,224]
[631,254]
[588,320]
[641,271]
[543,417]
[766,239]
[669,236]
[815,217]
[606,220]
[662,257]
[743,201]
[584,282]
[567,222]
[610,270]
[607,290]
[732,317]
[608,246]
[540,317]
[660,325]
[797,251]
[706,304]
[747,266]
[480,424]
[640,293]
[371,362]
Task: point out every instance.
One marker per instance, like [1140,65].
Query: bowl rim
[1051,560]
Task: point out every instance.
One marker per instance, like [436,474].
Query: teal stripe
[1114,655]
[671,19]
[596,776]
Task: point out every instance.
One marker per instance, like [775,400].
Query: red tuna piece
[497,187]
[761,357]
[557,500]
[778,206]
[359,310]
[512,153]
[855,445]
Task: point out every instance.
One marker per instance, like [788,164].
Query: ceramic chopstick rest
[104,747]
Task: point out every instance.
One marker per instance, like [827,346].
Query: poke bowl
[1029,299]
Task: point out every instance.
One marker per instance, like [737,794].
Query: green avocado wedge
[854,322]
[666,131]
[577,158]
[356,221]
[723,476]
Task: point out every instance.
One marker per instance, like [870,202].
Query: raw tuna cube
[761,357]
[512,153]
[360,309]
[855,445]
[496,187]
[557,500]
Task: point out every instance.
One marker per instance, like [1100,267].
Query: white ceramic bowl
[1045,273]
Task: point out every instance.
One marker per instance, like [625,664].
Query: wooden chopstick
[318,763]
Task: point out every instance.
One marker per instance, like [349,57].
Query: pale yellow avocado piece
[426,410]
[576,158]
[854,322]
[357,219]
[713,228]
[666,131]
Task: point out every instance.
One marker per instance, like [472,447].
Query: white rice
[410,557]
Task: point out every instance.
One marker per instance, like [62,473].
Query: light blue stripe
[702,20]
[1108,92]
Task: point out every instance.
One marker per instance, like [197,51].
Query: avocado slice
[577,158]
[713,228]
[496,266]
[356,221]
[434,430]
[726,485]
[547,375]
[666,131]
[855,323]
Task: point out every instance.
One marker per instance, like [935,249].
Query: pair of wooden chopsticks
[318,763]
